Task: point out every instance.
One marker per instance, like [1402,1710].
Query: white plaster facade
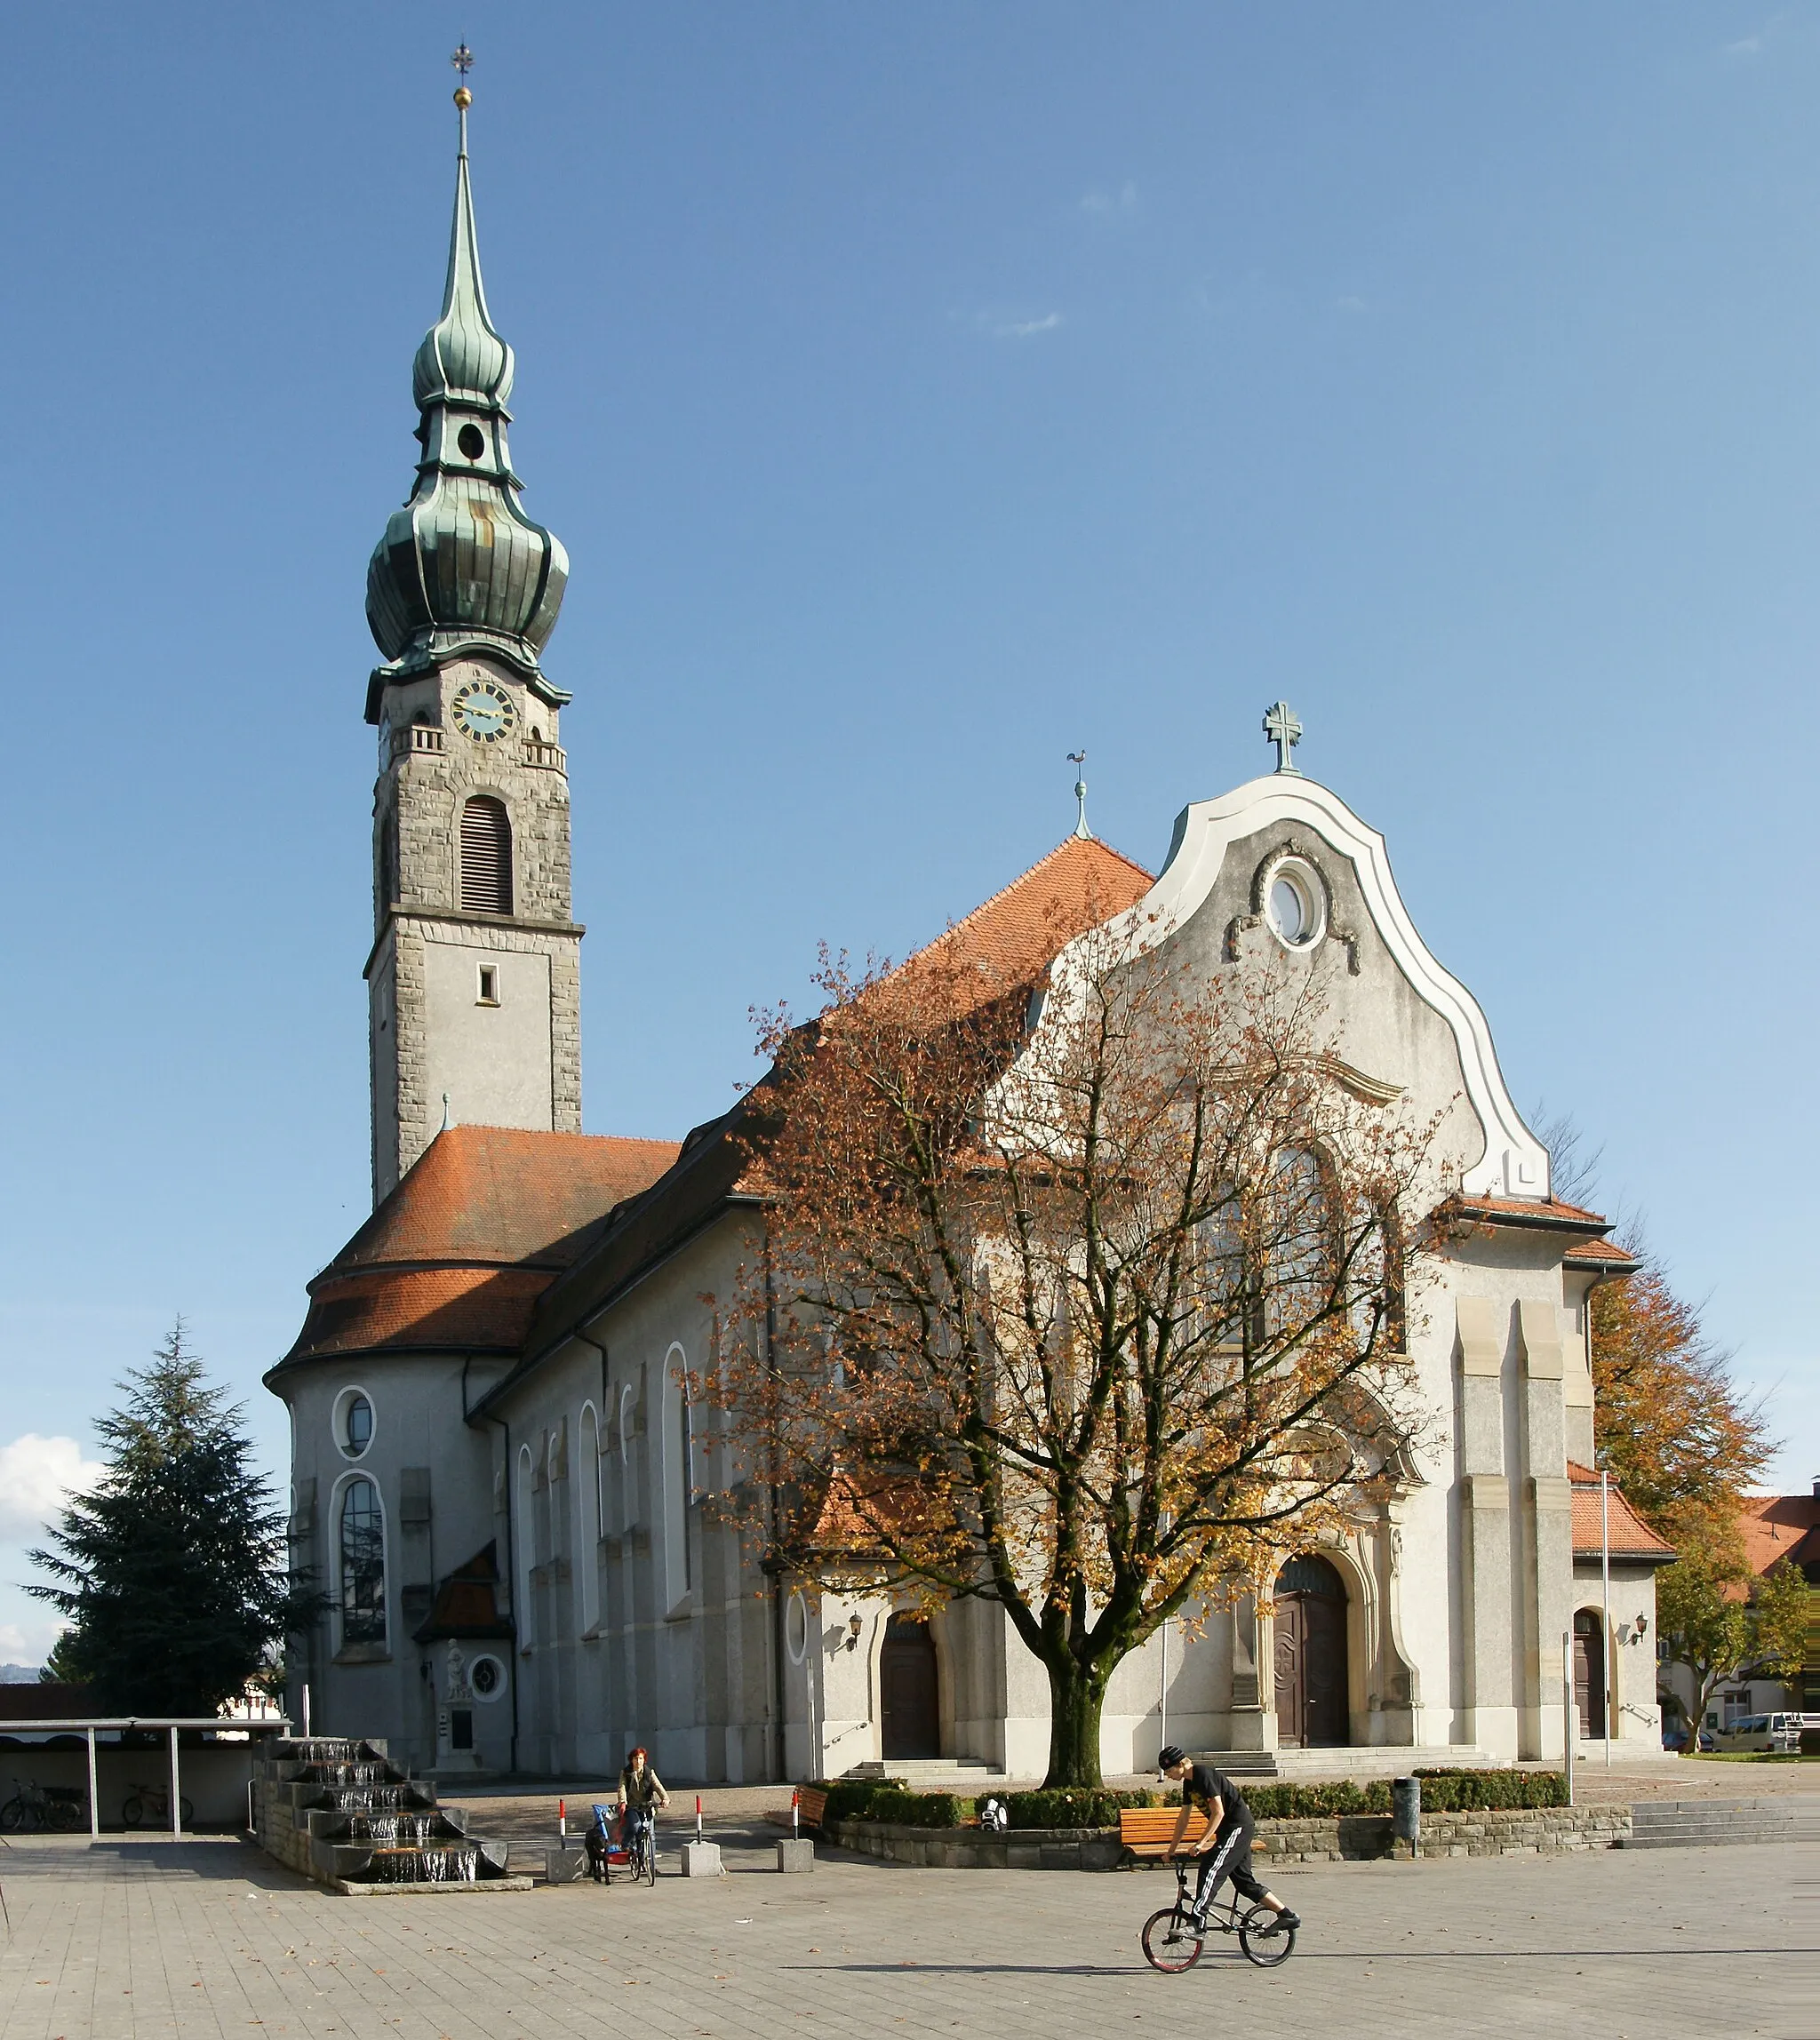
[635,1617]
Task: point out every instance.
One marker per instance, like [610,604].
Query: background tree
[1668,1419]
[1722,1630]
[172,1571]
[1095,1323]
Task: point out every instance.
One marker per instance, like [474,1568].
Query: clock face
[483,712]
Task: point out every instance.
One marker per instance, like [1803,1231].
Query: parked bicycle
[152,1802]
[1173,1943]
[59,1808]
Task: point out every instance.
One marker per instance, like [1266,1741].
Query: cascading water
[457,1864]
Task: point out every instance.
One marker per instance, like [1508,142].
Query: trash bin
[1406,1812]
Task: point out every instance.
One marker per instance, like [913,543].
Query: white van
[1775,1733]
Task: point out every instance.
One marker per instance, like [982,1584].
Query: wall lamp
[854,1627]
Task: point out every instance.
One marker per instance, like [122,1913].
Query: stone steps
[1367,1760]
[966,1775]
[1710,1823]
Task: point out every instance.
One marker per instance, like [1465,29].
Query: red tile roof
[1015,936]
[1546,1211]
[1631,1536]
[1602,1253]
[1780,1526]
[457,1256]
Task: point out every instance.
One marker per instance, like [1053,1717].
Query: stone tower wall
[514,1060]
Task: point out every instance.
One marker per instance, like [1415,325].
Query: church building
[497,1475]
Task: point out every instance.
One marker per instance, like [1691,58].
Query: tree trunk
[1075,1698]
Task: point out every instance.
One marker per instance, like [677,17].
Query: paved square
[207,1938]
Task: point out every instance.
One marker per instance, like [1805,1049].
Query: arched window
[486,856]
[363,1535]
[524,1536]
[587,1505]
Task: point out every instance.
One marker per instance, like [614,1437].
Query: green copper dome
[460,566]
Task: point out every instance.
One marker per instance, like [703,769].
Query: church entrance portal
[909,1703]
[1311,1655]
[1589,1672]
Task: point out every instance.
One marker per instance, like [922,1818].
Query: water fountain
[341,1811]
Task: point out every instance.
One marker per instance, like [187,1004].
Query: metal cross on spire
[463,62]
[1078,759]
[1285,732]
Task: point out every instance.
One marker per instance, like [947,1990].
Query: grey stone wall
[522,1067]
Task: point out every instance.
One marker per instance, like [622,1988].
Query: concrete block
[794,1858]
[564,1866]
[703,1859]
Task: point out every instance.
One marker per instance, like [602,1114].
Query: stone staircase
[1367,1760]
[1705,1823]
[966,1775]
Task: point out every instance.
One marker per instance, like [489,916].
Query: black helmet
[1170,1755]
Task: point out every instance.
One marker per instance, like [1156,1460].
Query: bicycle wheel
[1265,1939]
[132,1812]
[66,1816]
[187,1811]
[1171,1941]
[12,1814]
[651,1856]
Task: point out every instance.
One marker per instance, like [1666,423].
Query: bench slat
[1148,1830]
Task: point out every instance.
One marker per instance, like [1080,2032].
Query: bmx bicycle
[1172,1942]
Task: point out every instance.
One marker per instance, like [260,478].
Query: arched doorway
[1589,1673]
[1311,1655]
[909,1694]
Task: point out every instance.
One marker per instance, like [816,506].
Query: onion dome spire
[461,567]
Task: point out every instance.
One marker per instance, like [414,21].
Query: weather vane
[1078,759]
[463,62]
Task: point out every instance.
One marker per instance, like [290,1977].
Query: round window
[1293,905]
[486,1676]
[472,441]
[356,1426]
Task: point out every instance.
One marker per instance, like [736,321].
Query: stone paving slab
[202,1939]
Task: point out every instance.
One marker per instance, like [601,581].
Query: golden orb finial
[464,99]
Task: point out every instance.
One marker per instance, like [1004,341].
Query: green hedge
[1443,1792]
[1072,1808]
[1469,1791]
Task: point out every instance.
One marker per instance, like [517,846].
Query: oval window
[485,1676]
[357,1427]
[472,441]
[1293,905]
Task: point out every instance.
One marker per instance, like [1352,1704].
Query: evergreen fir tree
[172,1571]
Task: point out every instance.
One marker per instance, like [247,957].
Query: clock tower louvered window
[486,856]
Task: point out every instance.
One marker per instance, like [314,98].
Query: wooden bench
[810,1805]
[1147,1831]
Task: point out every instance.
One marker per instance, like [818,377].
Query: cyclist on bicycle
[641,1793]
[1226,1845]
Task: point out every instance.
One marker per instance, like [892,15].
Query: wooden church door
[1311,1656]
[1589,1673]
[909,1694]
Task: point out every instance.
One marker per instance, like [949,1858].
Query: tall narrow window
[486,856]
[362,1564]
[587,1503]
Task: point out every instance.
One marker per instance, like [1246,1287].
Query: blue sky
[921,393]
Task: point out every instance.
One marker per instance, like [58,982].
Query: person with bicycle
[1226,1848]
[641,1795]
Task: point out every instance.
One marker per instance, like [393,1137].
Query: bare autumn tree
[1095,1322]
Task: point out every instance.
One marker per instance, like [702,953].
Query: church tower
[473,984]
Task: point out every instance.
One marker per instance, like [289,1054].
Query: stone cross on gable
[1285,732]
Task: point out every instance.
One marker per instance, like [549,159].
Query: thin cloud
[1099,204]
[1759,40]
[1008,326]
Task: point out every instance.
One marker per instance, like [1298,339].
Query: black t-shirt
[1203,1785]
